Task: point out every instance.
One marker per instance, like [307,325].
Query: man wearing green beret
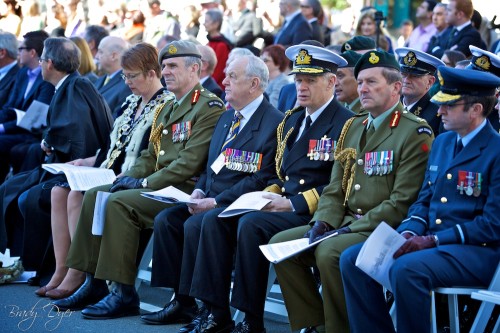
[380,163]
[177,152]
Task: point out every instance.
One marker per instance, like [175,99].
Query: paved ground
[22,311]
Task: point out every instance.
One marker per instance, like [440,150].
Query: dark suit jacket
[437,43]
[297,31]
[213,87]
[306,178]
[41,91]
[258,136]
[427,110]
[462,39]
[7,83]
[114,92]
[247,28]
[287,98]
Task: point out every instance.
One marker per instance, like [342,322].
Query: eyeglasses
[130,77]
[23,48]
[40,60]
[305,6]
[413,75]
[447,107]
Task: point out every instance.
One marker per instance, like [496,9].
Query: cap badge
[483,62]
[172,49]
[440,78]
[303,58]
[374,59]
[410,59]
[347,46]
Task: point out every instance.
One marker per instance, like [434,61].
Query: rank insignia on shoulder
[196,96]
[424,130]
[395,119]
[214,102]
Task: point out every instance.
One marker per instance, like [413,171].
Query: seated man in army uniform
[380,163]
[177,152]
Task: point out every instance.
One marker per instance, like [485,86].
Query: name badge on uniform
[218,164]
[378,163]
[469,183]
[240,160]
[181,131]
[321,150]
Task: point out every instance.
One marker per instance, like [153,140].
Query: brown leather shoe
[61,293]
[42,292]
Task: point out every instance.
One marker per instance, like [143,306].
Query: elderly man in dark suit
[248,130]
[8,65]
[28,87]
[452,231]
[306,141]
[418,70]
[295,28]
[110,85]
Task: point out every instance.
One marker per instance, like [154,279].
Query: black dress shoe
[121,302]
[213,327]
[172,313]
[244,327]
[198,322]
[91,292]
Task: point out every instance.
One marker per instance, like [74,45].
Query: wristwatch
[144,183]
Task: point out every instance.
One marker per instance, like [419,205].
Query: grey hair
[63,53]
[257,68]
[189,61]
[8,42]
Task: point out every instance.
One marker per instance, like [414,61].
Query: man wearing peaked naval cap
[487,62]
[346,87]
[305,155]
[178,146]
[313,60]
[380,146]
[418,70]
[484,61]
[452,230]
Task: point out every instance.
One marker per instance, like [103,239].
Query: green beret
[358,43]
[179,48]
[373,59]
[351,57]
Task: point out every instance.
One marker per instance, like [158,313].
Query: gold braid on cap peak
[347,157]
[282,141]
[155,136]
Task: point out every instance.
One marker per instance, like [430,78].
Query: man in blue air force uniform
[453,229]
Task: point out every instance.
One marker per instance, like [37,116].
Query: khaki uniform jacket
[376,198]
[175,163]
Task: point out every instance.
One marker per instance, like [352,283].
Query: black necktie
[458,147]
[308,123]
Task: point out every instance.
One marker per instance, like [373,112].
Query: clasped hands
[415,243]
[126,183]
[322,229]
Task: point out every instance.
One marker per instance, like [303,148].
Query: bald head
[109,53]
[208,60]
